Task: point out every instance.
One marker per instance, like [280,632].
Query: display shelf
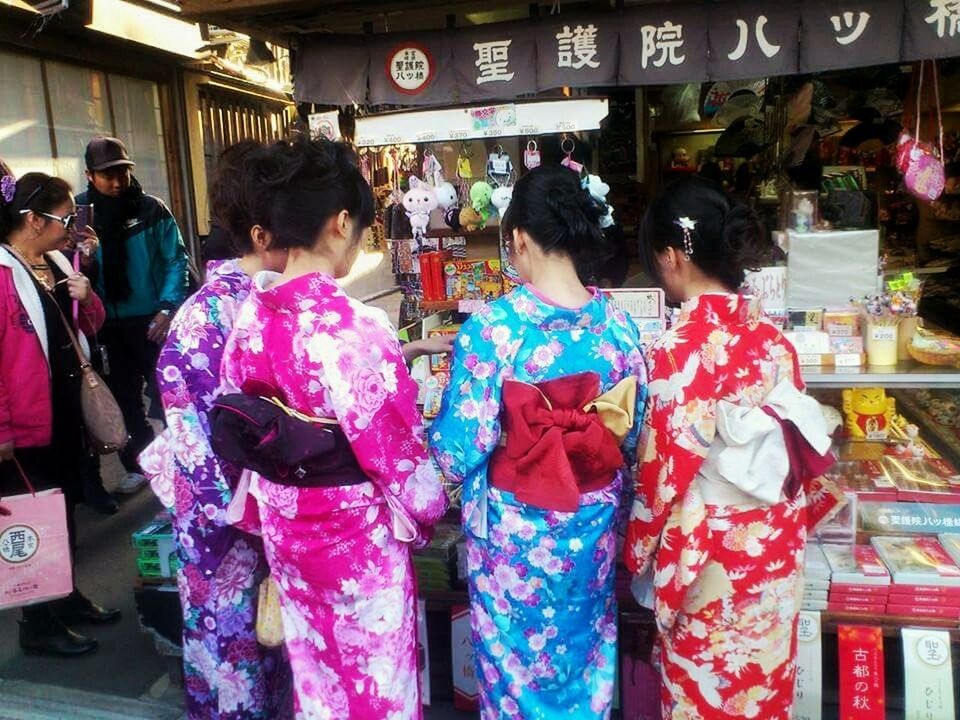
[906,374]
[488,233]
[439,305]
[890,624]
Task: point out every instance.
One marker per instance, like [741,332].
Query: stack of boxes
[829,337]
[859,581]
[926,579]
[816,578]
[156,552]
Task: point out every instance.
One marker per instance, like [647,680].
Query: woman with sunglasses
[41,422]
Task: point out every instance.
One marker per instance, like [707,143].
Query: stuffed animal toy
[470,219]
[419,201]
[452,217]
[446,195]
[501,199]
[597,188]
[480,195]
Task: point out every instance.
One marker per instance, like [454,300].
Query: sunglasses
[66,220]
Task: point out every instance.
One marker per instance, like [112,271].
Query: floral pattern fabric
[228,675]
[341,555]
[726,577]
[543,614]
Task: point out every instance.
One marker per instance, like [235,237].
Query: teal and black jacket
[156,262]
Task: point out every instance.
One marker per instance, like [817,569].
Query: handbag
[283,446]
[924,175]
[269,619]
[102,416]
[34,547]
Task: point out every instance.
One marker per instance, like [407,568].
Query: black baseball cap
[104,153]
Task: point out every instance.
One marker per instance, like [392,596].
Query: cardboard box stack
[816,578]
[156,552]
[859,582]
[926,579]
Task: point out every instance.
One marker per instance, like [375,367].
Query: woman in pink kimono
[339,551]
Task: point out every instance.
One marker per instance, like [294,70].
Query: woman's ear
[519,241]
[260,238]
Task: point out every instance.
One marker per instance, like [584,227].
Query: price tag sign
[883,333]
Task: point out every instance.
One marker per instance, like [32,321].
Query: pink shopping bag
[34,548]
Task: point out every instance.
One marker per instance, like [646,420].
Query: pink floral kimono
[341,555]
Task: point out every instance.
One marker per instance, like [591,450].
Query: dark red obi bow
[560,439]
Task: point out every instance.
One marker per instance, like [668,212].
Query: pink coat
[26,409]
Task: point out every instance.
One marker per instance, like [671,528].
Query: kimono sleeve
[467,429]
[679,426]
[375,400]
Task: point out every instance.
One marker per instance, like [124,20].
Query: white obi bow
[749,450]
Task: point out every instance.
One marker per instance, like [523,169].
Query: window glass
[136,112]
[80,109]
[24,132]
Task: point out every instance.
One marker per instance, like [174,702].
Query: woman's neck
[27,247]
[250,264]
[556,278]
[704,286]
[303,262]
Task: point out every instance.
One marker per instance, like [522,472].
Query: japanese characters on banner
[808,694]
[585,49]
[663,47]
[655,44]
[832,30]
[862,694]
[927,674]
[753,39]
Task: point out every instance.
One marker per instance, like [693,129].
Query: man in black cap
[142,279]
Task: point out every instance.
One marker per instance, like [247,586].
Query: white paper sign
[639,303]
[770,285]
[808,694]
[928,674]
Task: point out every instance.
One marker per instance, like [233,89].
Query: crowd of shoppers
[560,430]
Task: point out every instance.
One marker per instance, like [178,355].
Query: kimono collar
[722,308]
[295,295]
[552,317]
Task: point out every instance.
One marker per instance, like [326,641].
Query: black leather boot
[78,609]
[41,633]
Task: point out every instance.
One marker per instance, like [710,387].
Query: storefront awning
[655,44]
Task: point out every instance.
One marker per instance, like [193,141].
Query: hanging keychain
[568,146]
[464,168]
[432,169]
[499,167]
[531,156]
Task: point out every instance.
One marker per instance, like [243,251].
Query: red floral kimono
[722,534]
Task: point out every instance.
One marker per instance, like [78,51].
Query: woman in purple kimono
[228,675]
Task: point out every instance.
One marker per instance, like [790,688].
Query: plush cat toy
[501,199]
[419,201]
[480,195]
[446,195]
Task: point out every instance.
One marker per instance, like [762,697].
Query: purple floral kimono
[228,675]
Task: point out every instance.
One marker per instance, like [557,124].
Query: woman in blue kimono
[539,425]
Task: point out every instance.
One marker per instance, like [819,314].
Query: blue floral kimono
[543,612]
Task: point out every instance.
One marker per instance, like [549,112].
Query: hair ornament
[687,226]
[8,188]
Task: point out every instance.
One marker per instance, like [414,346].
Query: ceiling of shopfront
[275,18]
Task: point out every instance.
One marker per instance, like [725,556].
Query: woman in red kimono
[730,441]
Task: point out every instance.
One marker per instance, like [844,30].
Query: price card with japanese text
[928,674]
[808,694]
[770,285]
[639,303]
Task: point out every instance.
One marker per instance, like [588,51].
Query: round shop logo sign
[933,650]
[410,68]
[18,543]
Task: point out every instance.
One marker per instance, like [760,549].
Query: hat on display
[104,153]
